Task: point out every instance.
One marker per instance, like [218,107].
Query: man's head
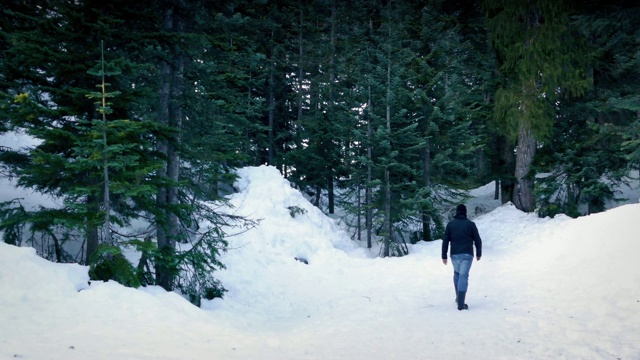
[461,209]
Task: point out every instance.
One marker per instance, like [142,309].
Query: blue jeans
[461,266]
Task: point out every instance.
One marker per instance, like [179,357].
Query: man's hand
[478,258]
[444,261]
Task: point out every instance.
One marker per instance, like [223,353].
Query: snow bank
[545,289]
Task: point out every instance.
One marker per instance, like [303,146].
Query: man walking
[462,234]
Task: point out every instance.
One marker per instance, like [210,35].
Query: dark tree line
[388,109]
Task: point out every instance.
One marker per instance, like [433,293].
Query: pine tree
[540,60]
[358,184]
[48,90]
[71,163]
[429,147]
[590,151]
[386,138]
[325,113]
[46,97]
[198,96]
[451,96]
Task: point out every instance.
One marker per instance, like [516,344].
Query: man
[462,234]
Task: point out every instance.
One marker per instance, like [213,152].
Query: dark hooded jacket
[462,234]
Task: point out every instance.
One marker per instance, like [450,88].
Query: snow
[30,199]
[556,288]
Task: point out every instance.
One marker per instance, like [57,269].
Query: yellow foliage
[20,98]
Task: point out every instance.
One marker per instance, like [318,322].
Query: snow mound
[556,288]
[289,223]
[25,277]
[280,260]
[497,227]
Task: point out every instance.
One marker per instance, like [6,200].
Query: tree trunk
[169,113]
[359,207]
[481,170]
[271,114]
[387,210]
[368,195]
[56,246]
[162,272]
[91,232]
[387,175]
[367,192]
[523,197]
[506,167]
[173,155]
[636,137]
[300,70]
[316,203]
[426,163]
[105,159]
[331,194]
[332,112]
[271,152]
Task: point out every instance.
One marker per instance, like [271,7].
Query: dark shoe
[460,300]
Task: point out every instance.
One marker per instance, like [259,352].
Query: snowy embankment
[545,289]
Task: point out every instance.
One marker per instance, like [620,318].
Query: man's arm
[477,241]
[445,245]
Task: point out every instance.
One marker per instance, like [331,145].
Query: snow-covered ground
[545,289]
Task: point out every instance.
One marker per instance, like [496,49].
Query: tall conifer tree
[540,60]
[589,152]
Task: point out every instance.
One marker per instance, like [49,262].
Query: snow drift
[545,289]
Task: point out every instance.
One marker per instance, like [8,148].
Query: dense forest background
[387,109]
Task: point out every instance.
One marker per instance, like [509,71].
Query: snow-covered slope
[545,289]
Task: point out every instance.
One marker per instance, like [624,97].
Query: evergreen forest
[387,110]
